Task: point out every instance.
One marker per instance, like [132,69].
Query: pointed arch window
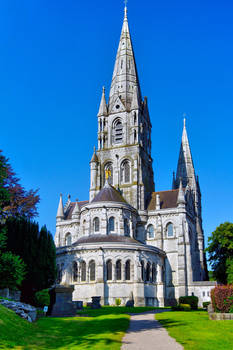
[127,270]
[92,270]
[125,171]
[150,231]
[68,239]
[96,223]
[117,131]
[109,270]
[75,271]
[126,227]
[118,270]
[170,230]
[154,273]
[148,272]
[109,167]
[83,271]
[111,224]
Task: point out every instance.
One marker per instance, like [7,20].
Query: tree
[36,247]
[220,250]
[12,267]
[14,199]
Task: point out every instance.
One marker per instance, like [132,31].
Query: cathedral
[129,241]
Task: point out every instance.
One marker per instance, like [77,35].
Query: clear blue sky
[55,57]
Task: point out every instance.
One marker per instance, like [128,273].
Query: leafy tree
[14,199]
[12,267]
[220,251]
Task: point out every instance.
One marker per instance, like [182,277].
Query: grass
[100,330]
[113,310]
[195,331]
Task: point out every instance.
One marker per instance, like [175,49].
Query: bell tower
[124,131]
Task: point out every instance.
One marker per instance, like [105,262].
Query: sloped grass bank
[100,332]
[195,331]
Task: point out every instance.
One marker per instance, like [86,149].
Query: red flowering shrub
[222,298]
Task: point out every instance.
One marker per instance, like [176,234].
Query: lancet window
[170,230]
[150,231]
[118,270]
[125,171]
[111,224]
[109,270]
[154,273]
[83,271]
[117,131]
[92,270]
[126,227]
[148,272]
[68,239]
[96,223]
[127,270]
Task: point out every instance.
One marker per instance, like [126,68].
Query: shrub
[205,304]
[118,301]
[185,307]
[222,298]
[42,298]
[191,300]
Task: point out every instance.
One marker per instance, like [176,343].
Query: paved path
[145,333]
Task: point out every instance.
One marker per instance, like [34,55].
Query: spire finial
[125,1]
[184,115]
[94,149]
[103,89]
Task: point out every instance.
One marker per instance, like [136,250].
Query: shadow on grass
[55,333]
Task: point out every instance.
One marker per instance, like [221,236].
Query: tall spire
[125,77]
[185,167]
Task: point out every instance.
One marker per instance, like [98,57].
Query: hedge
[191,300]
[222,298]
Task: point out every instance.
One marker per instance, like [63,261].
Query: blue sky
[55,58]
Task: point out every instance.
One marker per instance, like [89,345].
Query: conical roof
[108,194]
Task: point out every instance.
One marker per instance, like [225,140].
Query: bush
[42,298]
[185,307]
[205,304]
[118,301]
[181,307]
[191,300]
[222,298]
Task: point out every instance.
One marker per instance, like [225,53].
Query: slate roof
[168,199]
[108,194]
[105,238]
[68,213]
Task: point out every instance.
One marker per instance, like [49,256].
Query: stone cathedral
[129,241]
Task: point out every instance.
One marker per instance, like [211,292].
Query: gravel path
[145,333]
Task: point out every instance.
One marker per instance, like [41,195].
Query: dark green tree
[220,250]
[38,251]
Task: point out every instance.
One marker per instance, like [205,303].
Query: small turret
[76,211]
[103,106]
[181,198]
[60,210]
[94,158]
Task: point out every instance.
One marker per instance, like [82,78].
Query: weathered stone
[64,306]
[25,311]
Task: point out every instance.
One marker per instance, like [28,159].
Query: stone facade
[128,240]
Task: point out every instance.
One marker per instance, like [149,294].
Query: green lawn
[195,331]
[102,329]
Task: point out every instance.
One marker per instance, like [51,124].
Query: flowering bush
[222,298]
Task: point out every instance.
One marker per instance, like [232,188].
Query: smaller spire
[181,198]
[103,105]
[76,210]
[60,210]
[94,158]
